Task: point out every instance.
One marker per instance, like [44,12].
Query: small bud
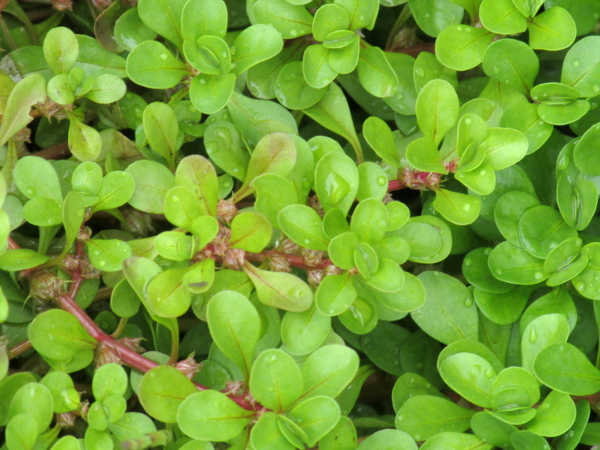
[286,245]
[86,269]
[226,210]
[62,5]
[66,420]
[234,258]
[106,354]
[234,388]
[84,234]
[102,4]
[312,257]
[133,344]
[314,277]
[315,204]
[279,263]
[189,367]
[46,286]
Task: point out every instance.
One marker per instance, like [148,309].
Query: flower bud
[106,354]
[61,5]
[226,210]
[189,367]
[46,286]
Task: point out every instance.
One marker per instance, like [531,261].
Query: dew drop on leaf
[533,336]
[489,373]
[538,275]
[576,63]
[381,181]
[163,56]
[468,302]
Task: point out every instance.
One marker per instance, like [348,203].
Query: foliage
[349,224]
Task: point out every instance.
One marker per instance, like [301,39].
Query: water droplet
[538,275]
[576,63]
[596,87]
[202,81]
[163,56]
[175,198]
[489,373]
[296,293]
[466,207]
[482,172]
[400,96]
[499,272]
[224,55]
[580,286]
[487,251]
[367,341]
[96,252]
[533,336]
[102,263]
[468,262]
[382,181]
[400,417]
[271,359]
[293,33]
[232,50]
[468,121]
[30,192]
[49,221]
[468,302]
[307,241]
[419,72]
[417,437]
[459,28]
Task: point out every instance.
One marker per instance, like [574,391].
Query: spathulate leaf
[581,67]
[162,390]
[208,17]
[279,289]
[253,45]
[160,127]
[554,29]
[60,49]
[329,370]
[152,182]
[446,298]
[437,109]
[462,47]
[235,326]
[164,17]
[23,96]
[303,225]
[85,142]
[250,232]
[210,93]
[152,65]
[211,415]
[565,368]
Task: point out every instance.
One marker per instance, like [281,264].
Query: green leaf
[42,211]
[291,21]
[210,93]
[433,16]
[584,155]
[27,92]
[477,272]
[512,62]
[555,415]
[267,431]
[162,391]
[224,146]
[540,333]
[210,415]
[379,136]
[22,432]
[302,225]
[253,45]
[58,335]
[515,265]
[107,88]
[335,294]
[21,259]
[461,209]
[554,29]
[161,129]
[235,327]
[303,332]
[336,182]
[372,181]
[250,232]
[205,228]
[508,211]
[429,239]
[124,302]
[152,182]
[328,371]
[181,207]
[341,249]
[35,401]
[333,113]
[274,153]
[59,90]
[257,118]
[437,109]
[108,254]
[376,74]
[369,221]
[423,154]
[197,174]
[152,65]
[109,379]
[471,376]
[581,66]
[84,141]
[504,147]
[273,194]
[388,439]
[502,16]
[541,229]
[203,18]
[130,31]
[316,416]
[164,17]
[293,91]
[446,298]
[564,368]
[362,13]
[462,47]
[116,190]
[525,119]
[275,380]
[61,49]
[424,416]
[168,295]
[279,289]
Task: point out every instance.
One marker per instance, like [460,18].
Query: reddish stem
[19,349]
[294,260]
[56,151]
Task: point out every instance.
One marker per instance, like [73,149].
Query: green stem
[6,32]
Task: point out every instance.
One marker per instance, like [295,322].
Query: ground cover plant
[281,224]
